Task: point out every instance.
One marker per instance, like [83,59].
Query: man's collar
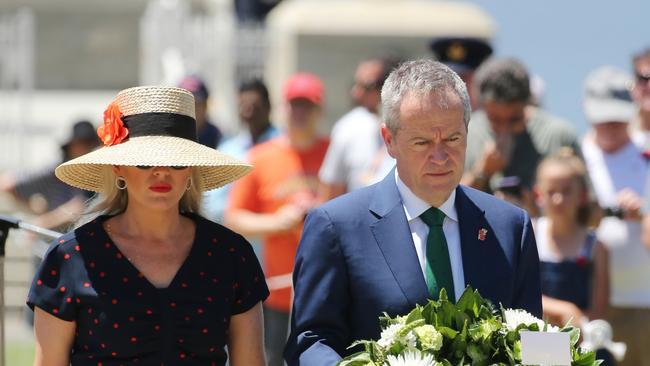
[414,206]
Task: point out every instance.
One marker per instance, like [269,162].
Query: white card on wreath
[545,348]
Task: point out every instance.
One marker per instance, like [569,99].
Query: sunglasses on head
[175,167]
[642,78]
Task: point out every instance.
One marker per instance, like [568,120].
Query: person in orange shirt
[273,200]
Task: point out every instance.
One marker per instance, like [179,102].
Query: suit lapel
[393,236]
[478,244]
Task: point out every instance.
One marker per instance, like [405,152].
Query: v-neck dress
[122,319]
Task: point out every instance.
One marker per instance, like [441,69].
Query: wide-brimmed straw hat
[151,126]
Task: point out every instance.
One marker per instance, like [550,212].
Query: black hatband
[161,124]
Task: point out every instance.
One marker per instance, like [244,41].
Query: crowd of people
[456,157]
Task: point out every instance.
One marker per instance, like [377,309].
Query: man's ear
[117,170]
[389,139]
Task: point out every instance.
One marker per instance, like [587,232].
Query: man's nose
[438,154]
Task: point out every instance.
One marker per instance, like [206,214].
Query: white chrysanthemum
[410,358]
[409,340]
[389,335]
[514,317]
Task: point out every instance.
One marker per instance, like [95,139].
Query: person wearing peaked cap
[54,203]
[463,55]
[208,133]
[273,200]
[82,139]
[618,169]
[148,280]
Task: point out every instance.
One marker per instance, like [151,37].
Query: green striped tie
[438,265]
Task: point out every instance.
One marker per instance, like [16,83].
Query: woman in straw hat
[149,280]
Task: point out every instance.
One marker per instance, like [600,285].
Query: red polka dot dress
[122,319]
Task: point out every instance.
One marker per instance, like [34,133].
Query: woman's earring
[120,183]
[189,184]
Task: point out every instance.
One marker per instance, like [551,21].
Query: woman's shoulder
[215,231]
[65,248]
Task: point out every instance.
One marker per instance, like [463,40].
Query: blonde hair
[567,157]
[113,201]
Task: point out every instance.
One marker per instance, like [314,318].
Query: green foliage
[471,332]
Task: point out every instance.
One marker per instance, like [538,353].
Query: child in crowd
[573,263]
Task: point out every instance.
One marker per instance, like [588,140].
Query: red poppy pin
[646,154]
[482,234]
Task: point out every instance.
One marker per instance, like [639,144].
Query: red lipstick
[161,187]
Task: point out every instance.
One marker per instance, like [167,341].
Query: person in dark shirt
[54,203]
[208,133]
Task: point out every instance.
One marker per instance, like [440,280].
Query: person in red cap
[273,200]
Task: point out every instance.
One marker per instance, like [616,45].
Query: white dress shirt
[413,208]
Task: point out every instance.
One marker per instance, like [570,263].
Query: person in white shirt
[617,170]
[355,137]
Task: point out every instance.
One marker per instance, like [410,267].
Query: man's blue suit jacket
[356,260]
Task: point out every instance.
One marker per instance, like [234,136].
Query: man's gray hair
[421,78]
[502,81]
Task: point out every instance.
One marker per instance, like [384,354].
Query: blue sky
[562,40]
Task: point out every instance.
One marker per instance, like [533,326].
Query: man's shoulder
[492,206]
[547,123]
[350,203]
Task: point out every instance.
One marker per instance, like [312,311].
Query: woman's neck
[560,227]
[148,224]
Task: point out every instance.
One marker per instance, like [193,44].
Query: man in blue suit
[377,250]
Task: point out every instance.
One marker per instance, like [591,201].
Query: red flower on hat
[112,132]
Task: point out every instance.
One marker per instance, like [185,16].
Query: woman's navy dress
[122,319]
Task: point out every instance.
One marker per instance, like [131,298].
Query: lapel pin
[481,234]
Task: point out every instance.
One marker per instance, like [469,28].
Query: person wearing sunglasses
[146,279]
[617,171]
[355,138]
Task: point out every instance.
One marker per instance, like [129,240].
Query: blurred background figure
[507,125]
[256,127]
[355,138]
[617,171]
[464,56]
[574,265]
[274,198]
[54,204]
[48,202]
[509,189]
[208,133]
[641,95]
[640,126]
